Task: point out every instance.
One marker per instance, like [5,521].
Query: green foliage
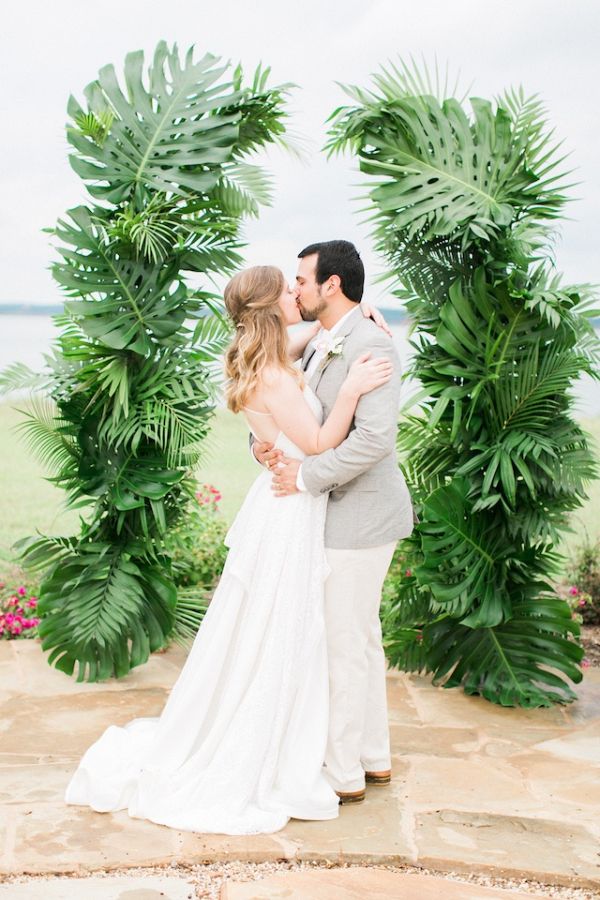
[461,200]
[128,392]
[403,605]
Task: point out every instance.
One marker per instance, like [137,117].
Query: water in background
[25,338]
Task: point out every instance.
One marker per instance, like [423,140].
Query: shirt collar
[335,328]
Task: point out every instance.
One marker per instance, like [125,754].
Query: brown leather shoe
[378,777]
[351,796]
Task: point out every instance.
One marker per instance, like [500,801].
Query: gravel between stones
[206,880]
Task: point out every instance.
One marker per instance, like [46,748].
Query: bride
[239,745]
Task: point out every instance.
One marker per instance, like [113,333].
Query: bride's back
[264,427]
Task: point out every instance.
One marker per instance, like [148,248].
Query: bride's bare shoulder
[275,378]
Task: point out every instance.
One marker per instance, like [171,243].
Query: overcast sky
[49,50]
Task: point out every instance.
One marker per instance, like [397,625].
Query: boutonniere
[333,347]
[336,348]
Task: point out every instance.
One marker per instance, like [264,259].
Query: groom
[369,509]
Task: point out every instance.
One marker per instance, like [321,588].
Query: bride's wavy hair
[251,298]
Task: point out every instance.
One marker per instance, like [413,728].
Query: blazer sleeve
[251,442]
[374,433]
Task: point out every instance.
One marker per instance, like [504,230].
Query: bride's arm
[298,341]
[285,401]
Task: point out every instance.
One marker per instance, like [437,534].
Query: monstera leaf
[164,135]
[439,171]
[464,559]
[138,301]
[514,664]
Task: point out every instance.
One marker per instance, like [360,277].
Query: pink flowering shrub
[18,617]
[208,496]
[577,600]
[196,545]
[583,574]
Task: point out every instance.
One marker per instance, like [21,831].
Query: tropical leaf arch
[129,387]
[461,199]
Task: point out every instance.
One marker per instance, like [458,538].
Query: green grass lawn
[29,503]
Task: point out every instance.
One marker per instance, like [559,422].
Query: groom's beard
[311,315]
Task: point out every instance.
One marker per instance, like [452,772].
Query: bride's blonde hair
[260,340]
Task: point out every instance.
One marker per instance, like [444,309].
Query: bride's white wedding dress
[239,745]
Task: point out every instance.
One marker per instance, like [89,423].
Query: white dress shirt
[323,337]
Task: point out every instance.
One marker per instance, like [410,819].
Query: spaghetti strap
[257,411]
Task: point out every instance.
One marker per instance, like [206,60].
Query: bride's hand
[301,336]
[366,374]
[371,312]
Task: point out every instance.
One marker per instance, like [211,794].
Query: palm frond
[151,231]
[103,613]
[95,126]
[190,609]
[243,189]
[211,336]
[49,436]
[18,377]
[401,79]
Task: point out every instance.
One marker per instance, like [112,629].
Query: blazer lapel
[309,352]
[344,331]
[318,373]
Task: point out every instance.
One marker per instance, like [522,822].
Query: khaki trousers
[358,738]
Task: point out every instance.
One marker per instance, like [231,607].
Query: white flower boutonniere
[331,347]
[336,348]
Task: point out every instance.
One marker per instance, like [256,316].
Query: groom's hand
[284,477]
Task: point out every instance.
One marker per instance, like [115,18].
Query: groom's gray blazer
[369,503]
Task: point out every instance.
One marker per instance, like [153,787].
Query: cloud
[51,50]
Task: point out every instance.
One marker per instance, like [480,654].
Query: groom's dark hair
[339,258]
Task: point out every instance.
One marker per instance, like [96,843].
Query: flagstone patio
[476,787]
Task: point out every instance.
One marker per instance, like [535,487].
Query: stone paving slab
[321,884]
[475,787]
[358,883]
[513,846]
[121,887]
